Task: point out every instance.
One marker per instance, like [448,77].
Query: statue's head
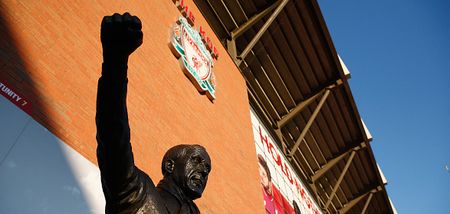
[188,167]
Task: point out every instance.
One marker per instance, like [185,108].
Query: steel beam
[217,15]
[261,31]
[330,164]
[319,173]
[252,21]
[254,94]
[355,201]
[290,116]
[309,123]
[280,138]
[341,177]
[231,48]
[311,185]
[367,203]
[231,43]
[299,108]
[299,167]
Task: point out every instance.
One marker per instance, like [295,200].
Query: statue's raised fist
[120,35]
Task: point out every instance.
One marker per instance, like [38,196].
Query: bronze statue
[126,188]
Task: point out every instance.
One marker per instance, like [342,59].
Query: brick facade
[50,52]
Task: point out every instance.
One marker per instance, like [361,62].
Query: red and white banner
[13,96]
[283,191]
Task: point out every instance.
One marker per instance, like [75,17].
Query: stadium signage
[14,97]
[283,176]
[195,51]
[195,60]
[187,13]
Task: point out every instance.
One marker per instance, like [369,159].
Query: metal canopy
[297,85]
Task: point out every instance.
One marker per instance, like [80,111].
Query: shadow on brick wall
[36,171]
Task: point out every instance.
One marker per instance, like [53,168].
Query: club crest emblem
[195,59]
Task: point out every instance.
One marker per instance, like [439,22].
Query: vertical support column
[280,138]
[231,48]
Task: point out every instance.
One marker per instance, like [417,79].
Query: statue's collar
[185,203]
[173,189]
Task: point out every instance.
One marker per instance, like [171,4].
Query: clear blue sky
[398,53]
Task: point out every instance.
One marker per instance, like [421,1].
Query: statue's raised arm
[120,36]
[126,188]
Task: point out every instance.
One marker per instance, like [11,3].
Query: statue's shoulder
[150,199]
[172,204]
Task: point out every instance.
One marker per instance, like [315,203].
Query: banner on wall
[282,189]
[12,95]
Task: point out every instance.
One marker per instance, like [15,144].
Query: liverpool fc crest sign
[194,57]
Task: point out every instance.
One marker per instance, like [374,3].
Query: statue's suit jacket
[127,189]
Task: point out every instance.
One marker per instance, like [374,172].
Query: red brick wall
[50,52]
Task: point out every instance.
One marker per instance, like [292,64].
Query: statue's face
[191,173]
